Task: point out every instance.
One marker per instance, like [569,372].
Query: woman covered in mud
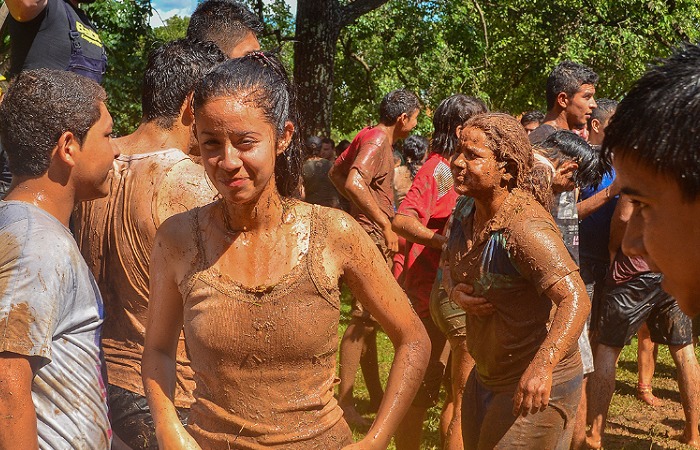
[507,266]
[254,278]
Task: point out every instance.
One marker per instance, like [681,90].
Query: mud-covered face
[474,166]
[239,147]
[664,229]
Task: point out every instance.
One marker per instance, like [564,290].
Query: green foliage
[278,34]
[173,28]
[127,36]
[438,48]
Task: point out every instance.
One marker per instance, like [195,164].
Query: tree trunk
[317,32]
[318,26]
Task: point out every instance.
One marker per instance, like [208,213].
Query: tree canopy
[500,51]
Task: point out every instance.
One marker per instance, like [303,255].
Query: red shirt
[430,199]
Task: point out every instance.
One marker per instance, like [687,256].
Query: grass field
[632,425]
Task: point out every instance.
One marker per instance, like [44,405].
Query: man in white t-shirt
[56,130]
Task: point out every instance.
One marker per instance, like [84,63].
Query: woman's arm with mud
[165,316]
[544,260]
[368,276]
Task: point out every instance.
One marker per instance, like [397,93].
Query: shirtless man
[56,130]
[154,179]
[227,23]
[655,156]
[570,102]
[364,174]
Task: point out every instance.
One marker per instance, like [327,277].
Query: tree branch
[347,50]
[486,32]
[353,10]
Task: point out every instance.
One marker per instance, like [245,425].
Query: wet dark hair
[568,77]
[605,109]
[656,124]
[39,107]
[508,141]
[261,80]
[532,116]
[414,148]
[565,145]
[171,73]
[396,103]
[224,22]
[327,140]
[450,114]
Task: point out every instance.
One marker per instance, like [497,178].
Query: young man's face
[327,151]
[664,229]
[407,123]
[94,159]
[580,106]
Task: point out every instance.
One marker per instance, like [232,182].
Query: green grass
[632,425]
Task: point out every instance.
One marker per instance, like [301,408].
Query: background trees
[346,54]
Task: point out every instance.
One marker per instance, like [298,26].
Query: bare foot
[354,418]
[645,394]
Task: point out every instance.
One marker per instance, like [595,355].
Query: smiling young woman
[254,278]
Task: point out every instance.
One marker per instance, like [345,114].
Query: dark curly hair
[39,107]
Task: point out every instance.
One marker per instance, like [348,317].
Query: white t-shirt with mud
[50,308]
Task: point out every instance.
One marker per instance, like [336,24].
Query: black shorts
[625,307]
[131,418]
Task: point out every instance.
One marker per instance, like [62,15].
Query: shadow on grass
[662,369]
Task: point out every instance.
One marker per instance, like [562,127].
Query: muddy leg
[578,441]
[601,386]
[462,364]
[646,362]
[351,347]
[370,367]
[688,380]
[410,432]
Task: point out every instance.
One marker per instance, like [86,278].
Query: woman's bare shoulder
[180,230]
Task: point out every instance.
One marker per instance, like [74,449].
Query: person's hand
[532,394]
[477,306]
[391,238]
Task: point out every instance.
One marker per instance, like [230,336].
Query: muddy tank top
[264,357]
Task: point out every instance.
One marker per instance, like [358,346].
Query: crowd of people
[180,286]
